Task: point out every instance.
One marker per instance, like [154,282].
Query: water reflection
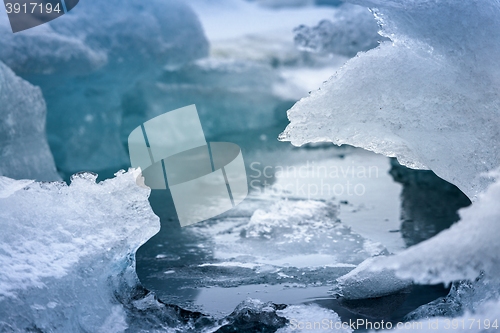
[428,203]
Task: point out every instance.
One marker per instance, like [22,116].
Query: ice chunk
[162,32]
[300,233]
[88,59]
[461,252]
[484,319]
[312,318]
[68,252]
[463,296]
[429,98]
[362,283]
[44,51]
[24,151]
[468,251]
[253,315]
[351,30]
[68,259]
[95,34]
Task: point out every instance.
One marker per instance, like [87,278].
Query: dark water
[188,266]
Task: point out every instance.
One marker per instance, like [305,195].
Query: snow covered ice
[67,250]
[428,97]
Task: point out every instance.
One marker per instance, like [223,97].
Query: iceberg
[429,96]
[68,252]
[305,318]
[461,252]
[484,320]
[24,151]
[465,255]
[44,51]
[87,60]
[351,30]
[361,282]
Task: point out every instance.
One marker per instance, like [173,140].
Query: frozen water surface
[282,246]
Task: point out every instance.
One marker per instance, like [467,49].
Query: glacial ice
[429,97]
[351,30]
[361,282]
[480,321]
[24,151]
[463,251]
[465,255]
[464,296]
[44,51]
[88,59]
[68,252]
[307,315]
